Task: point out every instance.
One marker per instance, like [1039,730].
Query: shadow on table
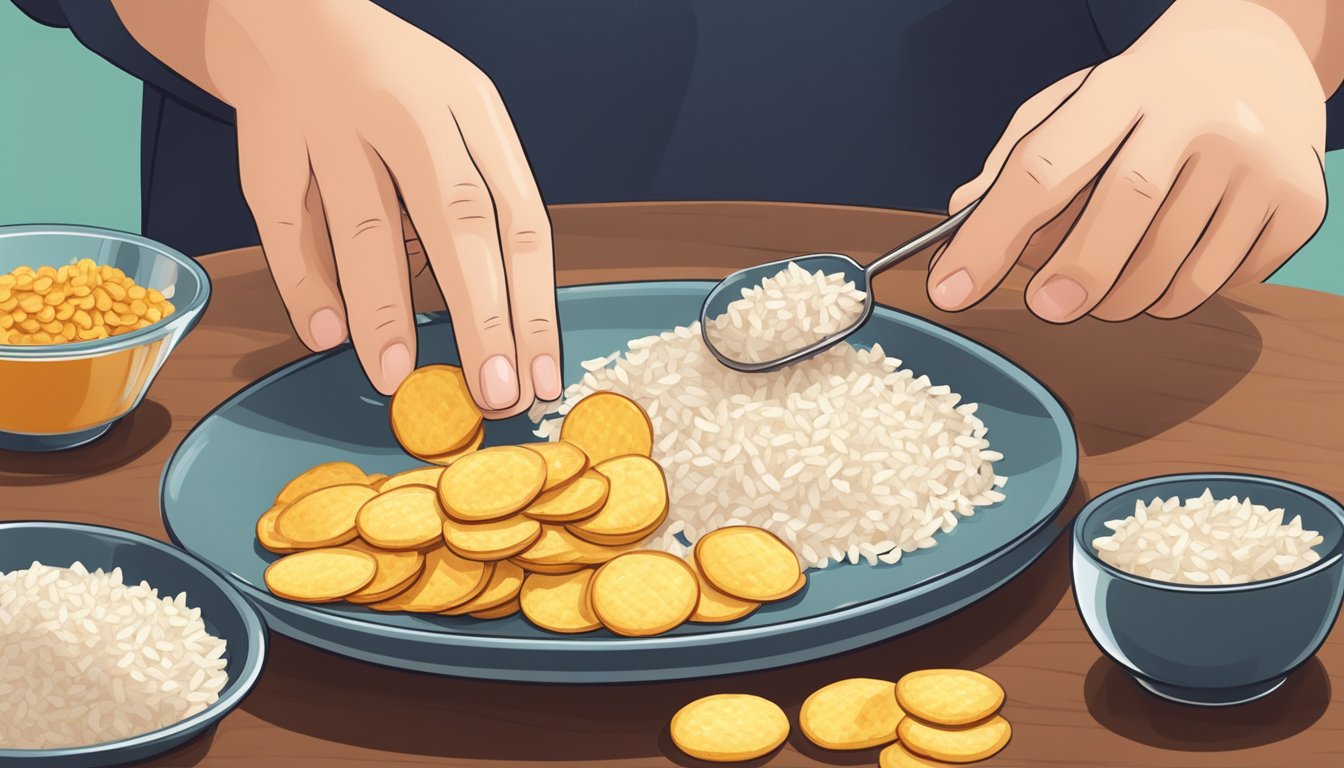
[328,697]
[1117,703]
[138,432]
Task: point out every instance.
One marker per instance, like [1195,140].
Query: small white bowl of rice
[1209,589]
[114,647]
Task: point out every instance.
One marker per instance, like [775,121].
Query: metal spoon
[730,289]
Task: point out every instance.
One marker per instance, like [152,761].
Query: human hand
[1190,161]
[344,111]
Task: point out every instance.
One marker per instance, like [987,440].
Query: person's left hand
[1145,184]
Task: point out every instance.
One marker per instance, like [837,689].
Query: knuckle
[1136,182]
[529,237]
[1032,166]
[369,228]
[469,201]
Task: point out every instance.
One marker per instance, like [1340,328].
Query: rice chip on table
[564,462]
[447,581]
[432,412]
[644,593]
[505,583]
[323,518]
[321,476]
[320,575]
[492,483]
[426,476]
[967,744]
[857,713]
[949,697]
[493,540]
[606,425]
[749,563]
[559,603]
[402,518]
[395,573]
[729,727]
[897,756]
[583,497]
[636,502]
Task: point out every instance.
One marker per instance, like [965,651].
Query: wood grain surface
[1253,381]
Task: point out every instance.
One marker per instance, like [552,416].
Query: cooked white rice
[787,312]
[1207,541]
[845,456]
[86,659]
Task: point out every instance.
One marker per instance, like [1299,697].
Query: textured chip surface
[955,745]
[605,425]
[729,727]
[857,713]
[493,483]
[432,412]
[636,502]
[325,517]
[949,696]
[644,593]
[320,575]
[559,603]
[749,563]
[403,518]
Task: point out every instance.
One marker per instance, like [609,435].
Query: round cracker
[446,459]
[559,603]
[949,696]
[955,745]
[605,425]
[749,563]
[636,502]
[396,572]
[376,481]
[321,476]
[558,569]
[325,517]
[447,581]
[505,583]
[714,607]
[897,756]
[581,498]
[564,462]
[426,476]
[644,593]
[494,540]
[402,518]
[555,546]
[729,727]
[320,575]
[498,612]
[271,538]
[857,713]
[492,483]
[432,412]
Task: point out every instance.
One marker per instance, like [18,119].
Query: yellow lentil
[82,301]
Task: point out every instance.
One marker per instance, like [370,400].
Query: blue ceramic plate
[225,613]
[227,471]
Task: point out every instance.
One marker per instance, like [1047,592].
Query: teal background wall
[70,128]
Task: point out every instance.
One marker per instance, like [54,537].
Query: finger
[525,235]
[277,184]
[1045,242]
[1234,231]
[1175,230]
[1042,175]
[1027,116]
[365,223]
[1090,259]
[453,212]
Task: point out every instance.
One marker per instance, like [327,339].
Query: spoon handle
[915,245]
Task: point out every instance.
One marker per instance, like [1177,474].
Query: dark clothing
[862,102]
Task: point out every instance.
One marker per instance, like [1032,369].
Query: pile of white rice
[787,312]
[1207,541]
[845,456]
[86,659]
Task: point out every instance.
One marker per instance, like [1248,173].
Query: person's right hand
[344,112]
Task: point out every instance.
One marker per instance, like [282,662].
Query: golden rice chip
[492,483]
[581,498]
[432,412]
[555,546]
[376,481]
[897,756]
[498,612]
[729,727]
[949,696]
[644,593]
[564,462]
[271,538]
[749,563]
[397,571]
[325,517]
[494,540]
[559,603]
[505,584]
[636,502]
[852,714]
[550,570]
[446,582]
[605,425]
[446,459]
[402,518]
[320,575]
[714,607]
[321,476]
[954,745]
[426,476]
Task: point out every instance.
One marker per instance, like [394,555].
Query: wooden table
[1254,381]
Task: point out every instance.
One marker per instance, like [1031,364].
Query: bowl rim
[1089,510]
[184,316]
[253,659]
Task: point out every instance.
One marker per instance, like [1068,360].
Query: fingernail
[326,329]
[1058,298]
[396,363]
[953,291]
[545,377]
[499,383]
